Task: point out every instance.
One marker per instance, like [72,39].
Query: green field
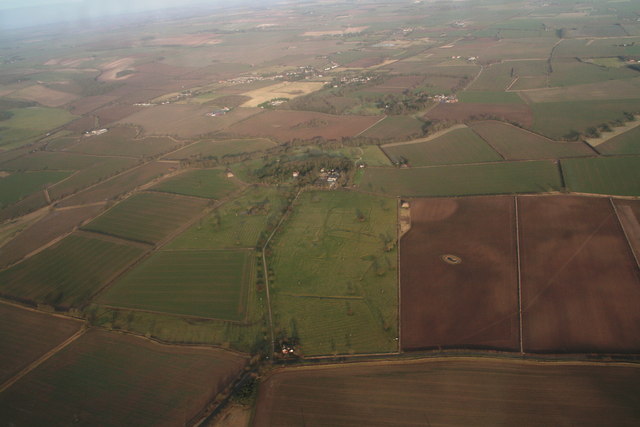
[608,175]
[147,217]
[28,123]
[20,184]
[395,128]
[122,141]
[43,160]
[334,284]
[69,273]
[462,180]
[111,379]
[455,147]
[208,183]
[490,97]
[211,284]
[370,155]
[219,149]
[515,143]
[625,143]
[238,223]
[568,72]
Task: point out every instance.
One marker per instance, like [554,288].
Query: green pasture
[490,97]
[207,183]
[18,185]
[123,142]
[395,128]
[618,176]
[219,149]
[28,123]
[67,274]
[45,160]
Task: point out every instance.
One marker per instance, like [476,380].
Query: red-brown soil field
[453,392]
[473,303]
[461,112]
[288,125]
[580,283]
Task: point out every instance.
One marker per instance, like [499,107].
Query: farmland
[212,284]
[85,381]
[625,143]
[334,274]
[69,273]
[206,183]
[607,175]
[147,217]
[122,141]
[395,128]
[456,391]
[455,147]
[28,123]
[471,303]
[490,178]
[27,335]
[219,149]
[18,185]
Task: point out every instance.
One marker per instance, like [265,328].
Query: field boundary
[515,199]
[624,231]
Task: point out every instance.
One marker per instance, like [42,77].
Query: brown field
[629,213]
[111,379]
[83,124]
[186,40]
[90,103]
[185,120]
[470,304]
[369,62]
[453,392]
[111,114]
[54,225]
[580,283]
[398,84]
[44,96]
[27,335]
[519,113]
[287,125]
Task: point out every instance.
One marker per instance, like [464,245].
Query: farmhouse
[96,132]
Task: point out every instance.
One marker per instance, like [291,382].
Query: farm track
[515,201]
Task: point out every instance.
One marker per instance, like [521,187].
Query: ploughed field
[460,392]
[533,273]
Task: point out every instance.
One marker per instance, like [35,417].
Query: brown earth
[462,112]
[629,214]
[89,103]
[113,113]
[470,304]
[288,125]
[453,392]
[580,283]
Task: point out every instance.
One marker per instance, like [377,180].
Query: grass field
[281,90]
[334,274]
[490,97]
[238,223]
[518,144]
[395,128]
[112,380]
[491,178]
[455,147]
[28,123]
[122,141]
[626,143]
[455,392]
[20,184]
[67,274]
[207,183]
[608,175]
[43,160]
[27,335]
[219,149]
[212,284]
[147,217]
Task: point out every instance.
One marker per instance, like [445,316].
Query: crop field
[236,224]
[219,149]
[490,97]
[628,212]
[455,147]
[113,379]
[18,185]
[625,143]
[461,111]
[206,183]
[55,224]
[514,143]
[557,119]
[458,274]
[118,185]
[288,90]
[211,284]
[610,89]
[27,335]
[67,274]
[451,392]
[287,125]
[370,155]
[147,217]
[579,279]
[571,71]
[460,180]
[395,128]
[122,141]
[605,175]
[44,96]
[334,274]
[42,160]
[28,123]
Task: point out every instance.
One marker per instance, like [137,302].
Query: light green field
[43,160]
[334,284]
[147,217]
[20,184]
[456,147]
[607,175]
[207,183]
[567,72]
[28,123]
[625,143]
[67,274]
[211,284]
[238,223]
[370,155]
[219,149]
[395,128]
[462,180]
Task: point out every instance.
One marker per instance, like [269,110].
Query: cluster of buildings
[96,132]
[220,112]
[445,99]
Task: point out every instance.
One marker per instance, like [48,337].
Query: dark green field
[618,176]
[626,143]
[67,274]
[20,184]
[147,217]
[207,183]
